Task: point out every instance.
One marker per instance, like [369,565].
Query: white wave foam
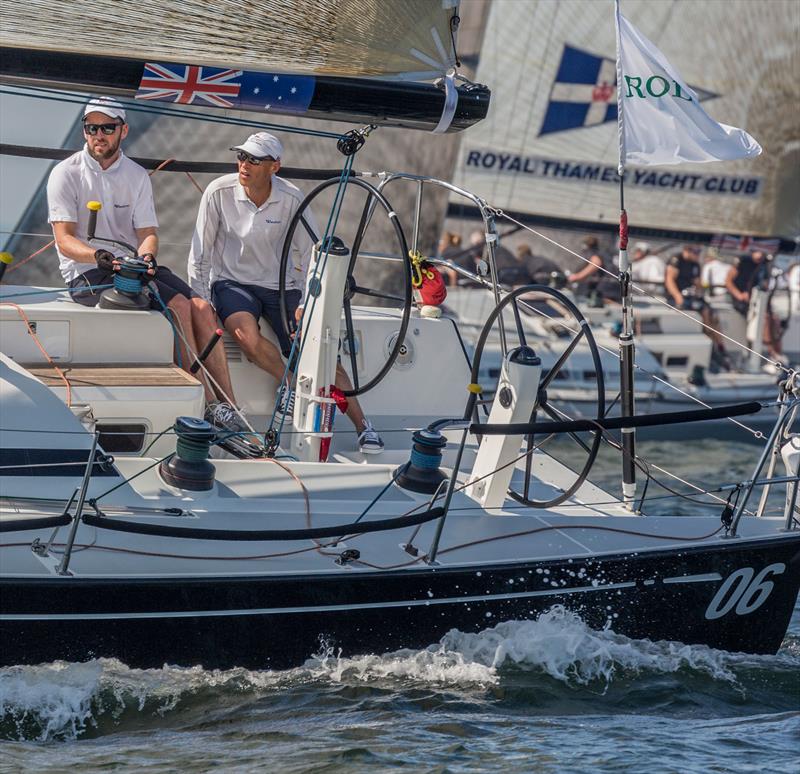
[558,643]
[562,645]
[63,700]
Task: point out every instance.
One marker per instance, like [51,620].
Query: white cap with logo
[261,145]
[106,106]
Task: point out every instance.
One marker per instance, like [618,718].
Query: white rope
[661,301]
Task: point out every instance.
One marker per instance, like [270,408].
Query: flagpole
[626,341]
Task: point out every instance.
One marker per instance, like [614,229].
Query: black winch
[189,468]
[422,472]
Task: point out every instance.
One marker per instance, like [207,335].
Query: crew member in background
[529,268]
[684,291]
[714,273]
[589,276]
[450,249]
[647,268]
[235,258]
[102,172]
[747,272]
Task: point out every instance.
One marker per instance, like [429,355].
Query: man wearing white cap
[235,260]
[102,172]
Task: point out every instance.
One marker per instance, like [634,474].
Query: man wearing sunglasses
[235,263]
[102,172]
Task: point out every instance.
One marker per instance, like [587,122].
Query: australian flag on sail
[226,88]
[583,94]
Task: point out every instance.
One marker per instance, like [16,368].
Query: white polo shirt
[713,275]
[123,189]
[650,269]
[235,240]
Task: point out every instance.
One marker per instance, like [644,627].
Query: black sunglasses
[254,160]
[106,129]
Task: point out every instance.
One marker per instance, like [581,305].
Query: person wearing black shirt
[590,278]
[747,272]
[683,290]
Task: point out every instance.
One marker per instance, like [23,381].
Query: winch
[189,467]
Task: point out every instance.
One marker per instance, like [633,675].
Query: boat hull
[737,596]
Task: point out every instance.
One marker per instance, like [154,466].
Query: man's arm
[148,241]
[739,295]
[203,239]
[69,245]
[671,284]
[587,271]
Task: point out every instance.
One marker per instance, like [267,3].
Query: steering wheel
[352,288]
[542,403]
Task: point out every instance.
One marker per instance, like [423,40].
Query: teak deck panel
[115,376]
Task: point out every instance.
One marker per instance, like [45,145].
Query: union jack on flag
[190,84]
[742,243]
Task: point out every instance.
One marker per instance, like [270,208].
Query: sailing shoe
[369,442]
[286,401]
[221,414]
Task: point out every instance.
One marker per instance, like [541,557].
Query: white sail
[409,39]
[549,144]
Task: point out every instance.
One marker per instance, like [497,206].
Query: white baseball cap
[261,145]
[106,106]
[643,246]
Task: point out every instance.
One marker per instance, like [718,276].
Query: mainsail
[548,147]
[411,39]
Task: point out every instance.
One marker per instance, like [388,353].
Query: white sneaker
[221,414]
[369,442]
[286,401]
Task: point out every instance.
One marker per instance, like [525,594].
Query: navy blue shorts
[230,297]
[168,284]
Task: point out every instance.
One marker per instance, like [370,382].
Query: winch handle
[94,208]
[215,337]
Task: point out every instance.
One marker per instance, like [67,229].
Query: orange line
[43,350]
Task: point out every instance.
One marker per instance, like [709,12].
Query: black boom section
[362,100]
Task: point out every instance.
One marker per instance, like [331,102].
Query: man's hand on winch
[150,260]
[105,260]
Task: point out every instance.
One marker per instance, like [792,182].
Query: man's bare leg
[244,329]
[204,320]
[354,412]
[181,311]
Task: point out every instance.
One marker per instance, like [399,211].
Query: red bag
[428,283]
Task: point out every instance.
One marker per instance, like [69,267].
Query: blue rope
[171,321]
[319,270]
[426,461]
[127,284]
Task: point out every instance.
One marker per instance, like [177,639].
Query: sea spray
[64,701]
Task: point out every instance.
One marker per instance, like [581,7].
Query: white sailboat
[161,554]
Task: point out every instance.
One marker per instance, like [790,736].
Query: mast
[627,349]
